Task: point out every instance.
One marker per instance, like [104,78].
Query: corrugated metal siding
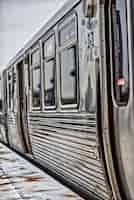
[13,134]
[68,145]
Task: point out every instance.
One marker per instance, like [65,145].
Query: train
[68,98]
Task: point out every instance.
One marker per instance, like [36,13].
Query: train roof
[51,22]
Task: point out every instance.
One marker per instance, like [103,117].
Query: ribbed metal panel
[13,133]
[68,145]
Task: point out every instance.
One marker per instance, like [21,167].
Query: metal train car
[68,98]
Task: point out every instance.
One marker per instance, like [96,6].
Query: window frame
[64,23]
[10,108]
[32,68]
[47,60]
[115,88]
[5,91]
[14,106]
[45,40]
[67,45]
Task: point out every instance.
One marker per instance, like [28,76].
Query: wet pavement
[20,180]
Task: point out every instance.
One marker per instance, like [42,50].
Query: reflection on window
[49,47]
[49,72]
[68,32]
[36,87]
[50,83]
[35,57]
[10,91]
[68,76]
[14,92]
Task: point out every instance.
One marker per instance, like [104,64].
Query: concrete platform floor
[20,180]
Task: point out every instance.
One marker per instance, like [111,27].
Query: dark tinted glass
[14,92]
[50,83]
[10,95]
[9,76]
[120,52]
[10,90]
[36,87]
[68,32]
[68,76]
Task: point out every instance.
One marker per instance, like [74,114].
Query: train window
[50,83]
[36,57]
[10,96]
[120,52]
[49,48]
[27,62]
[68,76]
[9,76]
[68,62]
[9,91]
[49,72]
[68,31]
[36,79]
[5,91]
[14,91]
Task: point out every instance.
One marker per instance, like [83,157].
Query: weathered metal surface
[14,137]
[68,146]
[21,180]
[67,140]
[3,133]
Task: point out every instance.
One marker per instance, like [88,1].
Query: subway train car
[68,98]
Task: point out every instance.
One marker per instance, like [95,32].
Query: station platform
[21,180]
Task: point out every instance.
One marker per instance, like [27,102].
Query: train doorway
[119,89]
[22,107]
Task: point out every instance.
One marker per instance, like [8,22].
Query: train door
[26,101]
[22,114]
[120,93]
[4,128]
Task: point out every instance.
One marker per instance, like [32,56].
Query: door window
[120,52]
[10,91]
[36,79]
[14,91]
